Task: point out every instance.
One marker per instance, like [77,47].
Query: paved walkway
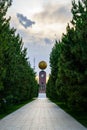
[41,114]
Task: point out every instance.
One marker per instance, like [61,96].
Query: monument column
[42,76]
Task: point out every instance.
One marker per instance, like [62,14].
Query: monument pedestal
[42,81]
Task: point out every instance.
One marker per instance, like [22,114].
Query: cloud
[54,13]
[47,41]
[25,22]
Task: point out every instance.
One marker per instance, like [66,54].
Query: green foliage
[54,70]
[17,78]
[69,61]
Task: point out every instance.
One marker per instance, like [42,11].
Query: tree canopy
[17,78]
[68,61]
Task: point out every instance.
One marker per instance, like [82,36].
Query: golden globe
[42,65]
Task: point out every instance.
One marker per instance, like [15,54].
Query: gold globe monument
[42,76]
[42,65]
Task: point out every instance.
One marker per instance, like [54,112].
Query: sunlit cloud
[45,24]
[54,13]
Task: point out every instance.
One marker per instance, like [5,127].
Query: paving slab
[40,114]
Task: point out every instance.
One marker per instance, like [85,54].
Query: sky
[40,23]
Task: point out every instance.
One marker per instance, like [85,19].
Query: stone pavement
[40,114]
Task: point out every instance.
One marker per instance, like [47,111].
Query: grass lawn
[13,108]
[79,116]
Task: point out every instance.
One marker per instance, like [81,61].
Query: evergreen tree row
[68,62]
[17,78]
